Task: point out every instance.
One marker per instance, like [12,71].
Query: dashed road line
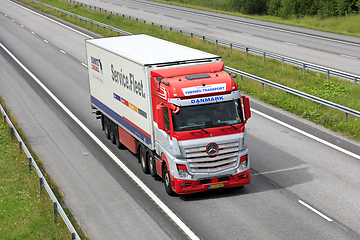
[315,211]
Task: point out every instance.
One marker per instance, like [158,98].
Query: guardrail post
[55,212]
[192,36]
[20,146]
[73,236]
[170,29]
[180,32]
[217,42]
[346,117]
[264,57]
[262,86]
[4,120]
[355,81]
[328,74]
[246,51]
[136,20]
[303,68]
[282,62]
[41,186]
[144,22]
[123,17]
[30,163]
[160,27]
[230,47]
[12,132]
[203,40]
[241,78]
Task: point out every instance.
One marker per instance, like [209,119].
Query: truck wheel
[117,138]
[143,160]
[106,127]
[152,165]
[167,182]
[112,132]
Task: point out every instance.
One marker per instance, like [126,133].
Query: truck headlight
[243,163]
[183,172]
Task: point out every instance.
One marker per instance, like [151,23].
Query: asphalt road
[321,48]
[302,187]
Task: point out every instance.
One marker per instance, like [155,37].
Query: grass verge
[24,213]
[336,90]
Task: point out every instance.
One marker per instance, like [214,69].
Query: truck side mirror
[247,111]
[160,116]
[174,109]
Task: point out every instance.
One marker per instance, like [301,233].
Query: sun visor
[173,72]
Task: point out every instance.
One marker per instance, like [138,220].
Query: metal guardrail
[304,65]
[344,109]
[43,182]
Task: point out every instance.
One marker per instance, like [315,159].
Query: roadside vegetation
[336,16]
[336,90]
[24,213]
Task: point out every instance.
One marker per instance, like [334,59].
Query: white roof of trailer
[147,50]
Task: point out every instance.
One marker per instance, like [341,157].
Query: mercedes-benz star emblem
[212,149]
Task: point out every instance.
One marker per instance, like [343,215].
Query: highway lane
[316,47]
[100,204]
[284,171]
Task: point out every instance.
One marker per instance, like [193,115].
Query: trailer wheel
[112,132]
[167,182]
[106,127]
[143,160]
[151,163]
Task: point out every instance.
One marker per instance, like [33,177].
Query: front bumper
[190,186]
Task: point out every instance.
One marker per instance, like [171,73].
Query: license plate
[218,185]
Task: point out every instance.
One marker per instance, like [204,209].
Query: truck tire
[106,127]
[151,164]
[167,182]
[112,132]
[143,159]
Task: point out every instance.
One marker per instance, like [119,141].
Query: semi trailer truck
[174,107]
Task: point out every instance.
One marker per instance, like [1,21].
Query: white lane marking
[84,65]
[245,33]
[213,26]
[152,195]
[33,33]
[52,20]
[46,41]
[280,170]
[348,56]
[289,43]
[62,51]
[315,211]
[308,135]
[22,26]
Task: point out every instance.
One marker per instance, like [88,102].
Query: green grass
[336,90]
[24,213]
[347,25]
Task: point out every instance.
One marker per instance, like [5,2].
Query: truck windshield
[208,116]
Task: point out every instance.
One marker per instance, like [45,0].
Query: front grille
[200,162]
